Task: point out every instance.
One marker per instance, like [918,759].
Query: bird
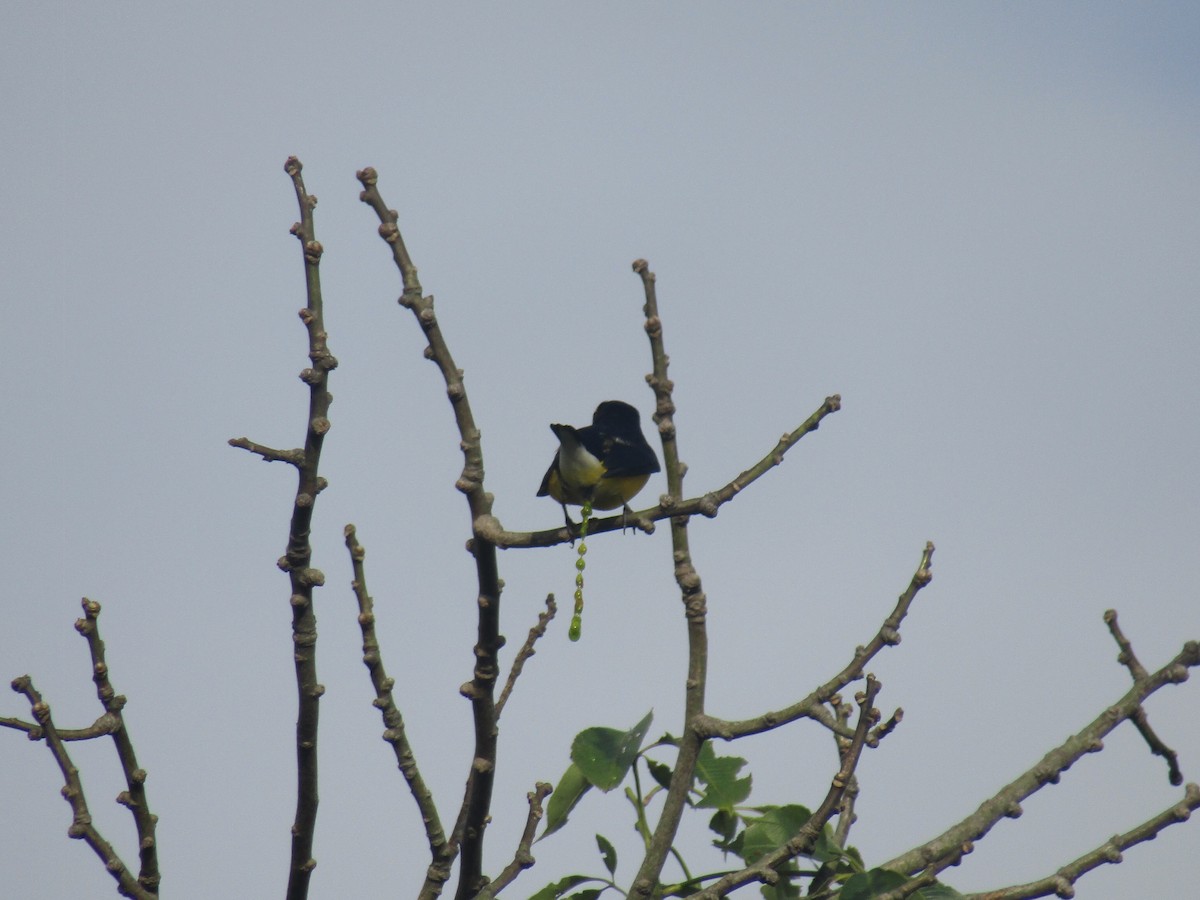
[606,463]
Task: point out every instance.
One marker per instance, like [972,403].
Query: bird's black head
[614,416]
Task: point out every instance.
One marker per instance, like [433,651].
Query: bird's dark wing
[544,490]
[623,457]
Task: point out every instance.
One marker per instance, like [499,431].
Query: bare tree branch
[880,732]
[1006,803]
[1061,883]
[846,816]
[1127,658]
[692,595]
[441,854]
[134,796]
[474,815]
[81,824]
[296,562]
[526,651]
[765,869]
[523,858]
[812,706]
[929,875]
[269,454]
[105,724]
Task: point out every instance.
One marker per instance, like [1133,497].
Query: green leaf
[556,889]
[826,849]
[937,892]
[836,868]
[589,894]
[605,755]
[822,878]
[570,790]
[608,853]
[777,825]
[725,824]
[866,885]
[723,789]
[660,772]
[785,888]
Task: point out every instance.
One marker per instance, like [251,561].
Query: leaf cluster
[605,758]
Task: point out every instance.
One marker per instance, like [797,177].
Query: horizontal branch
[104,725]
[269,454]
[705,505]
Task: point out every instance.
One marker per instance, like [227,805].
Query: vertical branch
[441,854]
[134,797]
[474,813]
[694,602]
[296,562]
[298,558]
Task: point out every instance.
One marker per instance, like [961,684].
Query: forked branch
[1061,883]
[474,815]
[765,869]
[112,723]
[1007,802]
[813,706]
[1139,718]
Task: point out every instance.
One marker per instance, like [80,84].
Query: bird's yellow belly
[612,493]
[606,493]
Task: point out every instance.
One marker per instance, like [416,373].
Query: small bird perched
[605,463]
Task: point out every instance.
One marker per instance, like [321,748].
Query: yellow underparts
[605,493]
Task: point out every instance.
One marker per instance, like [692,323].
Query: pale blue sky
[978,223]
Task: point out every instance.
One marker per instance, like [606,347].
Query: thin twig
[526,651]
[393,722]
[81,825]
[812,706]
[474,815]
[1140,721]
[523,858]
[881,731]
[105,724]
[134,796]
[846,816]
[269,454]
